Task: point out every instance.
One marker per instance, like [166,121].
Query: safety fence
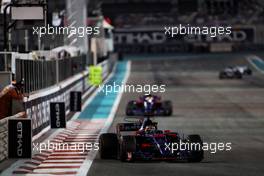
[72,66]
[39,74]
[4,135]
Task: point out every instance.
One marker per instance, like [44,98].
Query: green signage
[95,75]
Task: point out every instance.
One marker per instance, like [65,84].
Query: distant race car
[235,72]
[231,73]
[149,105]
[147,143]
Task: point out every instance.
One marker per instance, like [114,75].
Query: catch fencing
[40,74]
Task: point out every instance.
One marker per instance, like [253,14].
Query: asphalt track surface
[218,110]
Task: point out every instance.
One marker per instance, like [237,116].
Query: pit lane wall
[38,104]
[37,107]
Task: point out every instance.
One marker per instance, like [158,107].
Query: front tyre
[238,75]
[196,152]
[249,72]
[168,108]
[108,146]
[127,148]
[130,108]
[222,75]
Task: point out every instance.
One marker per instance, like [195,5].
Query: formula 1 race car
[147,143]
[149,105]
[231,73]
[235,72]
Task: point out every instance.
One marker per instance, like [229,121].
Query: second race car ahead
[149,105]
[145,142]
[235,72]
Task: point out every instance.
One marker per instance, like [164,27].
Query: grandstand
[128,13]
[134,19]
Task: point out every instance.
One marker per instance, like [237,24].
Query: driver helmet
[148,97]
[150,129]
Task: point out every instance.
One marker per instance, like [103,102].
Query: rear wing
[126,127]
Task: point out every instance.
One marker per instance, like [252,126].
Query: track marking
[57,162]
[89,160]
[249,58]
[90,99]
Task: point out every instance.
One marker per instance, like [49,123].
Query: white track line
[89,100]
[254,65]
[84,169]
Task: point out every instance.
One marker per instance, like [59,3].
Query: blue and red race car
[149,105]
[146,142]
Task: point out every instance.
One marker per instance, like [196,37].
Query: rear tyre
[221,76]
[249,72]
[196,153]
[128,148]
[238,75]
[108,144]
[167,106]
[130,108]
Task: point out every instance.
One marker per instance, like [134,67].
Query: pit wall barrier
[38,104]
